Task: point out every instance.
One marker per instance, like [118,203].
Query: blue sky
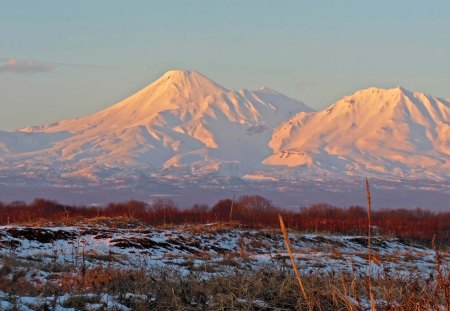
[62,59]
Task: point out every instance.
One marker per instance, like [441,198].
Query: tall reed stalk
[369,254]
[294,265]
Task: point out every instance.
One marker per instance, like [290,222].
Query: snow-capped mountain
[183,121]
[387,132]
[187,137]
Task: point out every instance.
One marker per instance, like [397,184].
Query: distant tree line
[248,210]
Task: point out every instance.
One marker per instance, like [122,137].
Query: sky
[64,59]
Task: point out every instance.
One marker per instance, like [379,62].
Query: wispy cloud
[13,65]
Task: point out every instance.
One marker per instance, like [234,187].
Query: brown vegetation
[255,211]
[269,289]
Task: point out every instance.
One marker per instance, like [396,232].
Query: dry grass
[294,265]
[268,289]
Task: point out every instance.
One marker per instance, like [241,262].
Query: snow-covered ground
[191,247]
[56,303]
[207,251]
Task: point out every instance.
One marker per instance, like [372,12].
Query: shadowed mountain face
[185,129]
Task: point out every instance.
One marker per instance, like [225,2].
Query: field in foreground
[117,264]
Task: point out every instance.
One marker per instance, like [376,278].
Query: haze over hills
[184,129]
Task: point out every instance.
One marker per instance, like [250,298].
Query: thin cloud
[25,66]
[13,65]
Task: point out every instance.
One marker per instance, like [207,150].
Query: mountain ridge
[181,120]
[186,124]
[380,130]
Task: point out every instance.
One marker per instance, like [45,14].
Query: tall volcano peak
[188,82]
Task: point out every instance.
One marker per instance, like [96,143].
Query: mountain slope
[388,132]
[181,121]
